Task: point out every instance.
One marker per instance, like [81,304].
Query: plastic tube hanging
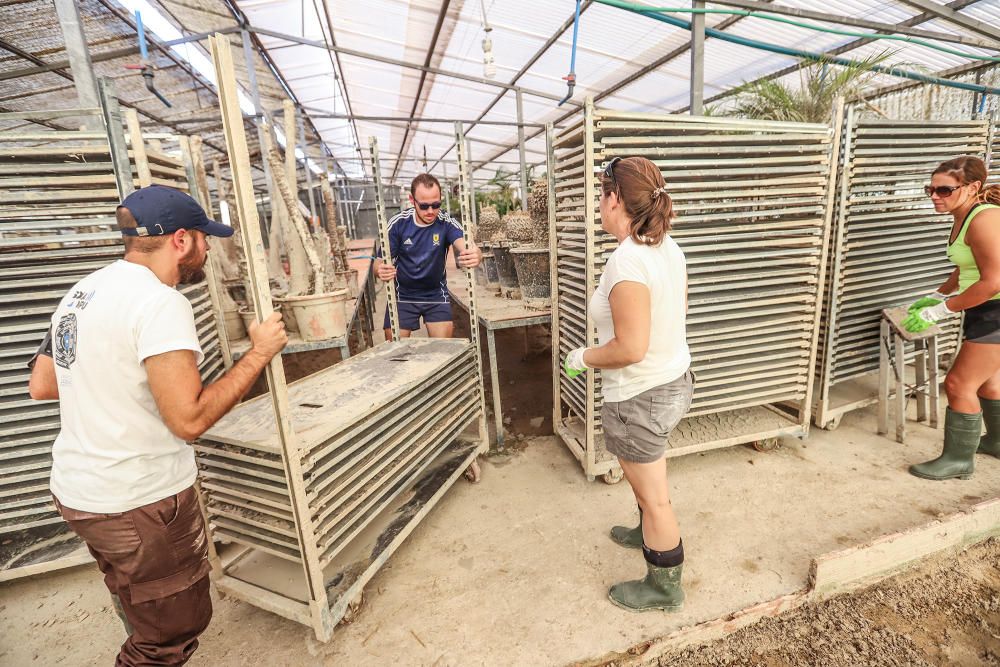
[571,77]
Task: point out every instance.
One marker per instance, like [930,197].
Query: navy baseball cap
[160,210]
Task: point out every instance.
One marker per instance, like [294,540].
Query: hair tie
[659,191]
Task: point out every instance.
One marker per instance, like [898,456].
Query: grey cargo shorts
[636,429]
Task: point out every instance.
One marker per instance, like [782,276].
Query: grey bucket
[532,266]
[505,266]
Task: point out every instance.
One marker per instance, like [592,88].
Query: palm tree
[812,102]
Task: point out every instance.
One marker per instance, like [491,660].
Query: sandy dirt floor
[946,612]
[515,570]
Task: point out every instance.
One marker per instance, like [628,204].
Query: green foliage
[812,102]
[499,192]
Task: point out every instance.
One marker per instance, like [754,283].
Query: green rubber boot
[990,443]
[661,589]
[961,439]
[630,538]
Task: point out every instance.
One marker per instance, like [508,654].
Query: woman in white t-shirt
[639,309]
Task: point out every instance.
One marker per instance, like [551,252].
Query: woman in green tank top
[958,186]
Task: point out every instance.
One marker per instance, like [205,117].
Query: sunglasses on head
[940,190]
[609,171]
[424,206]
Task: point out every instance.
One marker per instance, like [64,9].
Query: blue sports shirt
[419,252]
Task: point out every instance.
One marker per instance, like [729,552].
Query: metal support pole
[465,192]
[474,213]
[383,236]
[520,150]
[116,136]
[447,191]
[79,58]
[698,60]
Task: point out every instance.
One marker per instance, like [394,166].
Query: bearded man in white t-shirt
[123,362]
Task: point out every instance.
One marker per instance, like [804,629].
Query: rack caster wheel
[832,424]
[353,609]
[613,476]
[765,445]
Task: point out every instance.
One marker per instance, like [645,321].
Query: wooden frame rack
[754,200]
[887,249]
[320,481]
[58,192]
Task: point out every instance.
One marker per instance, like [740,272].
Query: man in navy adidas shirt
[419,239]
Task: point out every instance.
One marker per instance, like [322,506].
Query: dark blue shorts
[410,314]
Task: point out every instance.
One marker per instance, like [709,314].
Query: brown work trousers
[155,560]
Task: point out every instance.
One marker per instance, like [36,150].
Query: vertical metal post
[465,192]
[590,241]
[79,58]
[840,218]
[520,149]
[550,177]
[899,346]
[921,393]
[884,356]
[836,137]
[260,292]
[933,383]
[697,60]
[447,189]
[116,136]
[474,211]
[383,237]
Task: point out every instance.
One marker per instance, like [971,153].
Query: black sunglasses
[609,171]
[940,190]
[434,205]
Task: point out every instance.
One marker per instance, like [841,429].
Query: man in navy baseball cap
[160,210]
[165,229]
[124,365]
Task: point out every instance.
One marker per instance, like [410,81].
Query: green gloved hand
[926,302]
[915,324]
[920,320]
[573,364]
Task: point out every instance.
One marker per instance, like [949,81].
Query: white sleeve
[627,265]
[167,324]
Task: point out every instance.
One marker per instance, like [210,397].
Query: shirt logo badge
[407,242]
[437,239]
[65,341]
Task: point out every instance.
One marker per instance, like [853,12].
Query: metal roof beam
[442,13]
[611,90]
[337,65]
[899,29]
[402,63]
[410,119]
[956,18]
[850,46]
[566,25]
[107,55]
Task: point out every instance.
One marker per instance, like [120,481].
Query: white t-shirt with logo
[113,452]
[663,271]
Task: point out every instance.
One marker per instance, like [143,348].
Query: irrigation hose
[653,13]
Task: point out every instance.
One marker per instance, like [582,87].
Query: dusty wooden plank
[846,570]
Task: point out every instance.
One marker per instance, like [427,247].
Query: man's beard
[192,270]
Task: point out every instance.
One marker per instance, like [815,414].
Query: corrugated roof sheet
[613,46]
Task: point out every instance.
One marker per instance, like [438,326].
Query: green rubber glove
[915,324]
[926,302]
[573,364]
